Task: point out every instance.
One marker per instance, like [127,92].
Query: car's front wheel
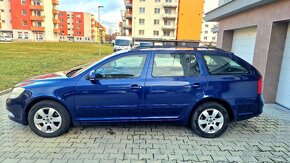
[210,120]
[48,119]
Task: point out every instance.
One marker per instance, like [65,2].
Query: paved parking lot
[266,138]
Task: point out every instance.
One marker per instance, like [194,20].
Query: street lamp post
[99,15]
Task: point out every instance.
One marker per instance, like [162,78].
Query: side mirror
[92,76]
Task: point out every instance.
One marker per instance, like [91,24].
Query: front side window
[125,67]
[166,65]
[220,65]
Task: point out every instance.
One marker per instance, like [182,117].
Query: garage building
[259,32]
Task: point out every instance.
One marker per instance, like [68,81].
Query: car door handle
[196,85]
[135,86]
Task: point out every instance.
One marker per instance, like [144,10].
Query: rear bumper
[248,108]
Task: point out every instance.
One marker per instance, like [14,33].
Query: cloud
[110,14]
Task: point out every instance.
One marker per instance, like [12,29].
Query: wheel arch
[222,102]
[37,100]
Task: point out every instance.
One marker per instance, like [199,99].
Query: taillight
[260,85]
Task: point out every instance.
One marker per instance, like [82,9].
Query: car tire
[48,119]
[210,120]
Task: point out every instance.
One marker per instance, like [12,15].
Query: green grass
[19,61]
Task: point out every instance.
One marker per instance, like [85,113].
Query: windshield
[122,43]
[78,70]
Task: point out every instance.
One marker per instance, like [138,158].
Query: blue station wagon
[206,88]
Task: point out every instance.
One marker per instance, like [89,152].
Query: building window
[3,21]
[24,23]
[142,0]
[141,32]
[206,25]
[157,10]
[170,1]
[2,10]
[167,11]
[156,21]
[79,21]
[141,10]
[19,35]
[205,38]
[166,33]
[24,12]
[157,1]
[167,22]
[78,27]
[79,33]
[141,21]
[213,38]
[78,15]
[23,2]
[26,35]
[156,33]
[206,32]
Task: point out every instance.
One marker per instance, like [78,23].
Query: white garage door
[283,93]
[244,41]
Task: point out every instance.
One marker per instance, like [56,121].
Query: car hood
[51,76]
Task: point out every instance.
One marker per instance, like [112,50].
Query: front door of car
[117,92]
[174,82]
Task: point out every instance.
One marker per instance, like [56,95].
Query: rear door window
[221,65]
[170,65]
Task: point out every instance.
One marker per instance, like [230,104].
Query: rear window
[166,65]
[220,65]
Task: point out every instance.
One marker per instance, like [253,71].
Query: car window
[124,67]
[220,65]
[166,65]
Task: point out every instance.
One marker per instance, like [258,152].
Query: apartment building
[99,32]
[208,33]
[29,20]
[76,26]
[162,19]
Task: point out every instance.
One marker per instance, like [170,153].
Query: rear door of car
[174,82]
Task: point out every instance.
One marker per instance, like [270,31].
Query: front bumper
[16,108]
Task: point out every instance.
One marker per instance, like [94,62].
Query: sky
[110,14]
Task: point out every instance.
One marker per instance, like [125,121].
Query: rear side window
[166,65]
[220,65]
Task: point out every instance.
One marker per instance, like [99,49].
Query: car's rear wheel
[48,119]
[210,120]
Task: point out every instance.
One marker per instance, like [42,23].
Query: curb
[5,91]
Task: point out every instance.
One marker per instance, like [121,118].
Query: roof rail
[179,44]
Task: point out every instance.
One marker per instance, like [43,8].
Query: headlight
[16,92]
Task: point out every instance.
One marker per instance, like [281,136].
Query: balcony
[128,15]
[55,21]
[36,7]
[37,18]
[170,5]
[126,26]
[170,16]
[128,4]
[38,29]
[55,2]
[169,27]
[56,30]
[54,11]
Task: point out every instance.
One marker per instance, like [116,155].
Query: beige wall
[48,21]
[6,16]
[149,17]
[271,21]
